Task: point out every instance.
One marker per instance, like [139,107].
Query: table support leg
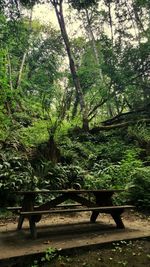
[20,222]
[94,216]
[118,220]
[32,228]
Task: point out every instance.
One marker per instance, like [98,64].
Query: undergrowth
[101,161]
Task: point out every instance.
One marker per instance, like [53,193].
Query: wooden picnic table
[97,201]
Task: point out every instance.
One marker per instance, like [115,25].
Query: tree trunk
[110,22]
[93,42]
[18,82]
[59,13]
[53,152]
[10,71]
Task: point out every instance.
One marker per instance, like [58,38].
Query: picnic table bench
[96,201]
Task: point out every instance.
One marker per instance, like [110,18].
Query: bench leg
[118,220]
[20,222]
[32,228]
[94,216]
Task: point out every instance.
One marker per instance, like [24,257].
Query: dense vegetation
[87,123]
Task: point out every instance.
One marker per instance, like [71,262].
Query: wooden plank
[82,200]
[68,205]
[100,209]
[17,208]
[13,208]
[81,191]
[54,202]
[59,206]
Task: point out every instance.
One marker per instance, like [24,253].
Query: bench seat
[107,209]
[59,206]
[35,216]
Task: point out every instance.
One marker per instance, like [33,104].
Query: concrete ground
[67,232]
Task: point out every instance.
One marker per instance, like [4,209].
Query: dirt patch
[68,232]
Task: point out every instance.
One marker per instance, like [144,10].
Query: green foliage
[43,64]
[37,99]
[113,150]
[28,4]
[35,134]
[107,161]
[71,151]
[29,62]
[16,173]
[141,132]
[50,254]
[107,174]
[22,118]
[58,176]
[139,188]
[5,124]
[142,3]
[81,4]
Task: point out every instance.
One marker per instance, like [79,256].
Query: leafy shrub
[74,152]
[112,150]
[93,182]
[22,118]
[139,188]
[68,153]
[105,174]
[16,174]
[35,134]
[4,125]
[141,132]
[58,176]
[129,163]
[50,254]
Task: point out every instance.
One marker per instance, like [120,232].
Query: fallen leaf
[46,242]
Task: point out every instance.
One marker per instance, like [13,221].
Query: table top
[72,191]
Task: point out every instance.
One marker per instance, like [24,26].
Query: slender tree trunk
[116,104]
[93,42]
[18,82]
[59,13]
[109,109]
[10,71]
[21,71]
[110,22]
[74,111]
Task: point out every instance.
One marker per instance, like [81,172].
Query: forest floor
[69,232]
[132,253]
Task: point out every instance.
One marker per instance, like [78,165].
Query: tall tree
[88,10]
[58,5]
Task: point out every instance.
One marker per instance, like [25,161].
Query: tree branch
[120,116]
[118,125]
